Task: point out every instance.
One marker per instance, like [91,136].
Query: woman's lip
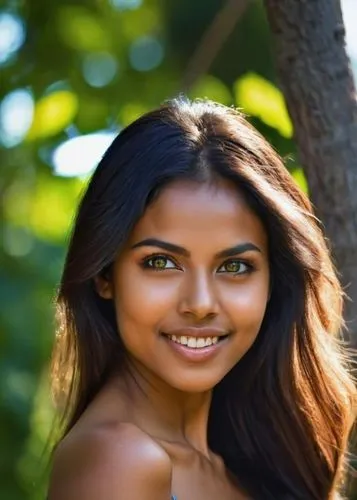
[197,332]
[195,353]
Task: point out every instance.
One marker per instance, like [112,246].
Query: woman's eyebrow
[171,247]
[238,249]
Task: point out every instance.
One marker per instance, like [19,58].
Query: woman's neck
[164,411]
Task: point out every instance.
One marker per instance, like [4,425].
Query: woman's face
[191,286]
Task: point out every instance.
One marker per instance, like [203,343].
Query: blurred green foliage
[88,66]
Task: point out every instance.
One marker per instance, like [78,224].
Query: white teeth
[200,342]
[194,342]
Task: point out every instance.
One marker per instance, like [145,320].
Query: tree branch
[212,41]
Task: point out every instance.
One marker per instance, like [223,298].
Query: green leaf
[259,97]
[212,88]
[299,177]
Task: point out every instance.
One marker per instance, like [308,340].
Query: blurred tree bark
[316,78]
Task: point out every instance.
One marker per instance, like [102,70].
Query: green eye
[235,267]
[159,263]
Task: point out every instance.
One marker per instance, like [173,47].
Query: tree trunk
[316,79]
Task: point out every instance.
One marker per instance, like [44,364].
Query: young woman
[198,352]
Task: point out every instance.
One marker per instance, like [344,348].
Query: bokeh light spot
[99,69]
[126,4]
[12,35]
[20,384]
[16,113]
[18,241]
[79,156]
[53,113]
[81,29]
[146,53]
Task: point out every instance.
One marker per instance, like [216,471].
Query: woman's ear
[103,284]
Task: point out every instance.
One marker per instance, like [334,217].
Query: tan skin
[144,437]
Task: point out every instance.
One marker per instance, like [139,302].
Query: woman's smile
[196,344]
[191,349]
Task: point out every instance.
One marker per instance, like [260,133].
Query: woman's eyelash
[145,263]
[249,265]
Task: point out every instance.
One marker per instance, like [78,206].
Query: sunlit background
[72,75]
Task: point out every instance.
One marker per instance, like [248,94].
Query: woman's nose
[199,297]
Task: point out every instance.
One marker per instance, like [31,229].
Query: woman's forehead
[184,210]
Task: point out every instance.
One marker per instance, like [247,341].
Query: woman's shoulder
[110,462]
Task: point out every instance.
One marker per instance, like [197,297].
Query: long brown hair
[281,417]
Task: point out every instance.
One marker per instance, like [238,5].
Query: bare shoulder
[117,464]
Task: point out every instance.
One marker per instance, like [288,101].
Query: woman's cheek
[246,303]
[144,293]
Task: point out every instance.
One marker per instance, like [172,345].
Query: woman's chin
[194,386]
